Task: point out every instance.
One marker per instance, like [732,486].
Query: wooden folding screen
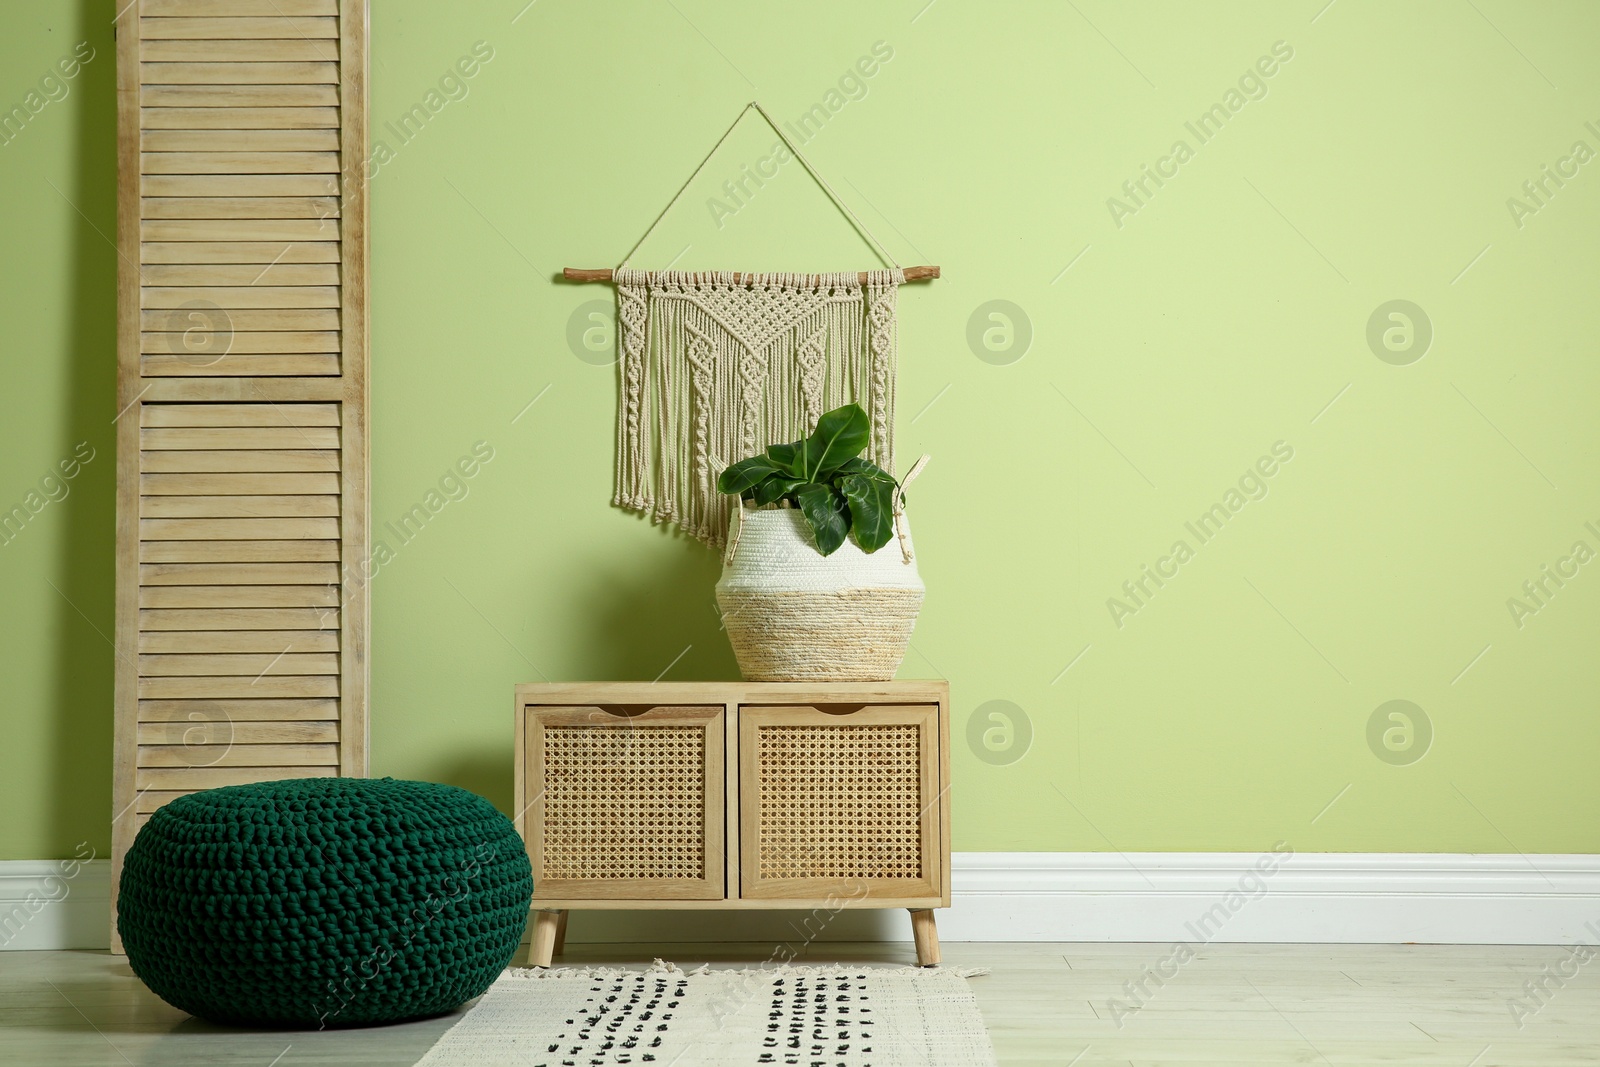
[242,526]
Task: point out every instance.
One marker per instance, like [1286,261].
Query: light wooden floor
[1044,1004]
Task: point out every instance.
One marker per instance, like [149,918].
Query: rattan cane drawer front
[626,802]
[839,803]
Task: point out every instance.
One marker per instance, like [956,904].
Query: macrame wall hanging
[715,366]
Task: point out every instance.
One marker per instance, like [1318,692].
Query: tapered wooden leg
[561,934]
[546,925]
[926,936]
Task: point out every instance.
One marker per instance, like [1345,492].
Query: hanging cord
[839,203]
[685,187]
[820,180]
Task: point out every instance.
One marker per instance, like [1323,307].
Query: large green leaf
[840,435]
[871,501]
[861,466]
[786,458]
[744,474]
[827,513]
[775,488]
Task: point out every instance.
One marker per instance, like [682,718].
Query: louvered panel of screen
[242,432]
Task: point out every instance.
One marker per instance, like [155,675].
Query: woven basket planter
[795,615]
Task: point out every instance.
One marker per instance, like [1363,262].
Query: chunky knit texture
[323,901]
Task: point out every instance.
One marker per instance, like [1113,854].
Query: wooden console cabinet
[735,795]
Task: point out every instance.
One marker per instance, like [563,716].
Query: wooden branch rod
[604,274]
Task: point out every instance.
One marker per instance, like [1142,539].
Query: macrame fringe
[716,366]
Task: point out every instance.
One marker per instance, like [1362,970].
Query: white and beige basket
[795,615]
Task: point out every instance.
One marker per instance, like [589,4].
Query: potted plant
[808,591]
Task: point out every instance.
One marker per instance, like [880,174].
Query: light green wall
[58,384]
[1223,316]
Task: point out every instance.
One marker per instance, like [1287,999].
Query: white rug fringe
[660,966]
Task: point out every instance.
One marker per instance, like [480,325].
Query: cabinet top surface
[932,690]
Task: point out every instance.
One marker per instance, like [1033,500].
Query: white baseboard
[1318,897]
[55,904]
[1379,898]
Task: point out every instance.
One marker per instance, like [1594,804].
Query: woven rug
[800,1016]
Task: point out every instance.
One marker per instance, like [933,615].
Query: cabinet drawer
[839,802]
[624,801]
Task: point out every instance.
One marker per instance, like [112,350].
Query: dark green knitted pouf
[323,901]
